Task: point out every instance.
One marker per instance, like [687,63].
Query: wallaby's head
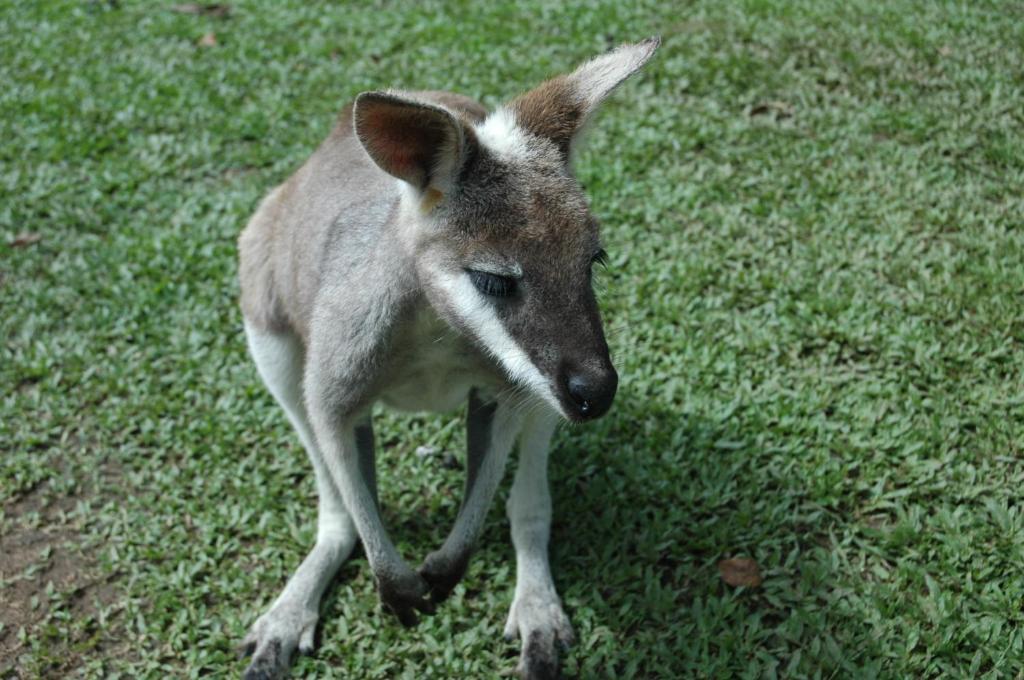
[498,229]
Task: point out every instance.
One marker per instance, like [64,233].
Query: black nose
[591,392]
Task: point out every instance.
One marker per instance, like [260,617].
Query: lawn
[815,298]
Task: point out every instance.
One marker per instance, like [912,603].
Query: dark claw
[268,665]
[405,599]
[406,611]
[442,576]
[261,673]
[245,649]
[406,616]
[539,660]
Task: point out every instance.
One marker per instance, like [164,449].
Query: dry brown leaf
[26,238]
[740,571]
[210,9]
[777,108]
[208,40]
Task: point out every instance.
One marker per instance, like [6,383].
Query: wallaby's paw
[404,596]
[273,639]
[543,627]
[443,574]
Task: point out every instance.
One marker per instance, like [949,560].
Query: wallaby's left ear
[559,108]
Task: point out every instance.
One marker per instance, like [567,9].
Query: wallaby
[430,253]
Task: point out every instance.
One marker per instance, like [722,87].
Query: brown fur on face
[533,218]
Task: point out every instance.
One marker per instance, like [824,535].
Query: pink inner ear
[401,163]
[404,140]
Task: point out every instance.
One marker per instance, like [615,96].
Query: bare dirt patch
[45,569]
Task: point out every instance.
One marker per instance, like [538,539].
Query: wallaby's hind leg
[290,623]
[536,617]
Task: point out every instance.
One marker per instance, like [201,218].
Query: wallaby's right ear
[560,108]
[418,143]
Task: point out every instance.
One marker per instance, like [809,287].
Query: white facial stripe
[500,134]
[477,313]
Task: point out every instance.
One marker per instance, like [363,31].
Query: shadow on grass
[646,506]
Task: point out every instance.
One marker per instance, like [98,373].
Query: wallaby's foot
[538,620]
[273,639]
[442,574]
[405,595]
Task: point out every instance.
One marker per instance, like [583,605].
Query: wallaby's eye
[601,258]
[493,285]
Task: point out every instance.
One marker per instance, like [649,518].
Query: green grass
[816,303]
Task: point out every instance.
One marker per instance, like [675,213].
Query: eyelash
[492,285]
[497,286]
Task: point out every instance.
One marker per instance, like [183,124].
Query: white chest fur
[433,367]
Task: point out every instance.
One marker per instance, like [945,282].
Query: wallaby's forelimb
[491,429]
[401,589]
